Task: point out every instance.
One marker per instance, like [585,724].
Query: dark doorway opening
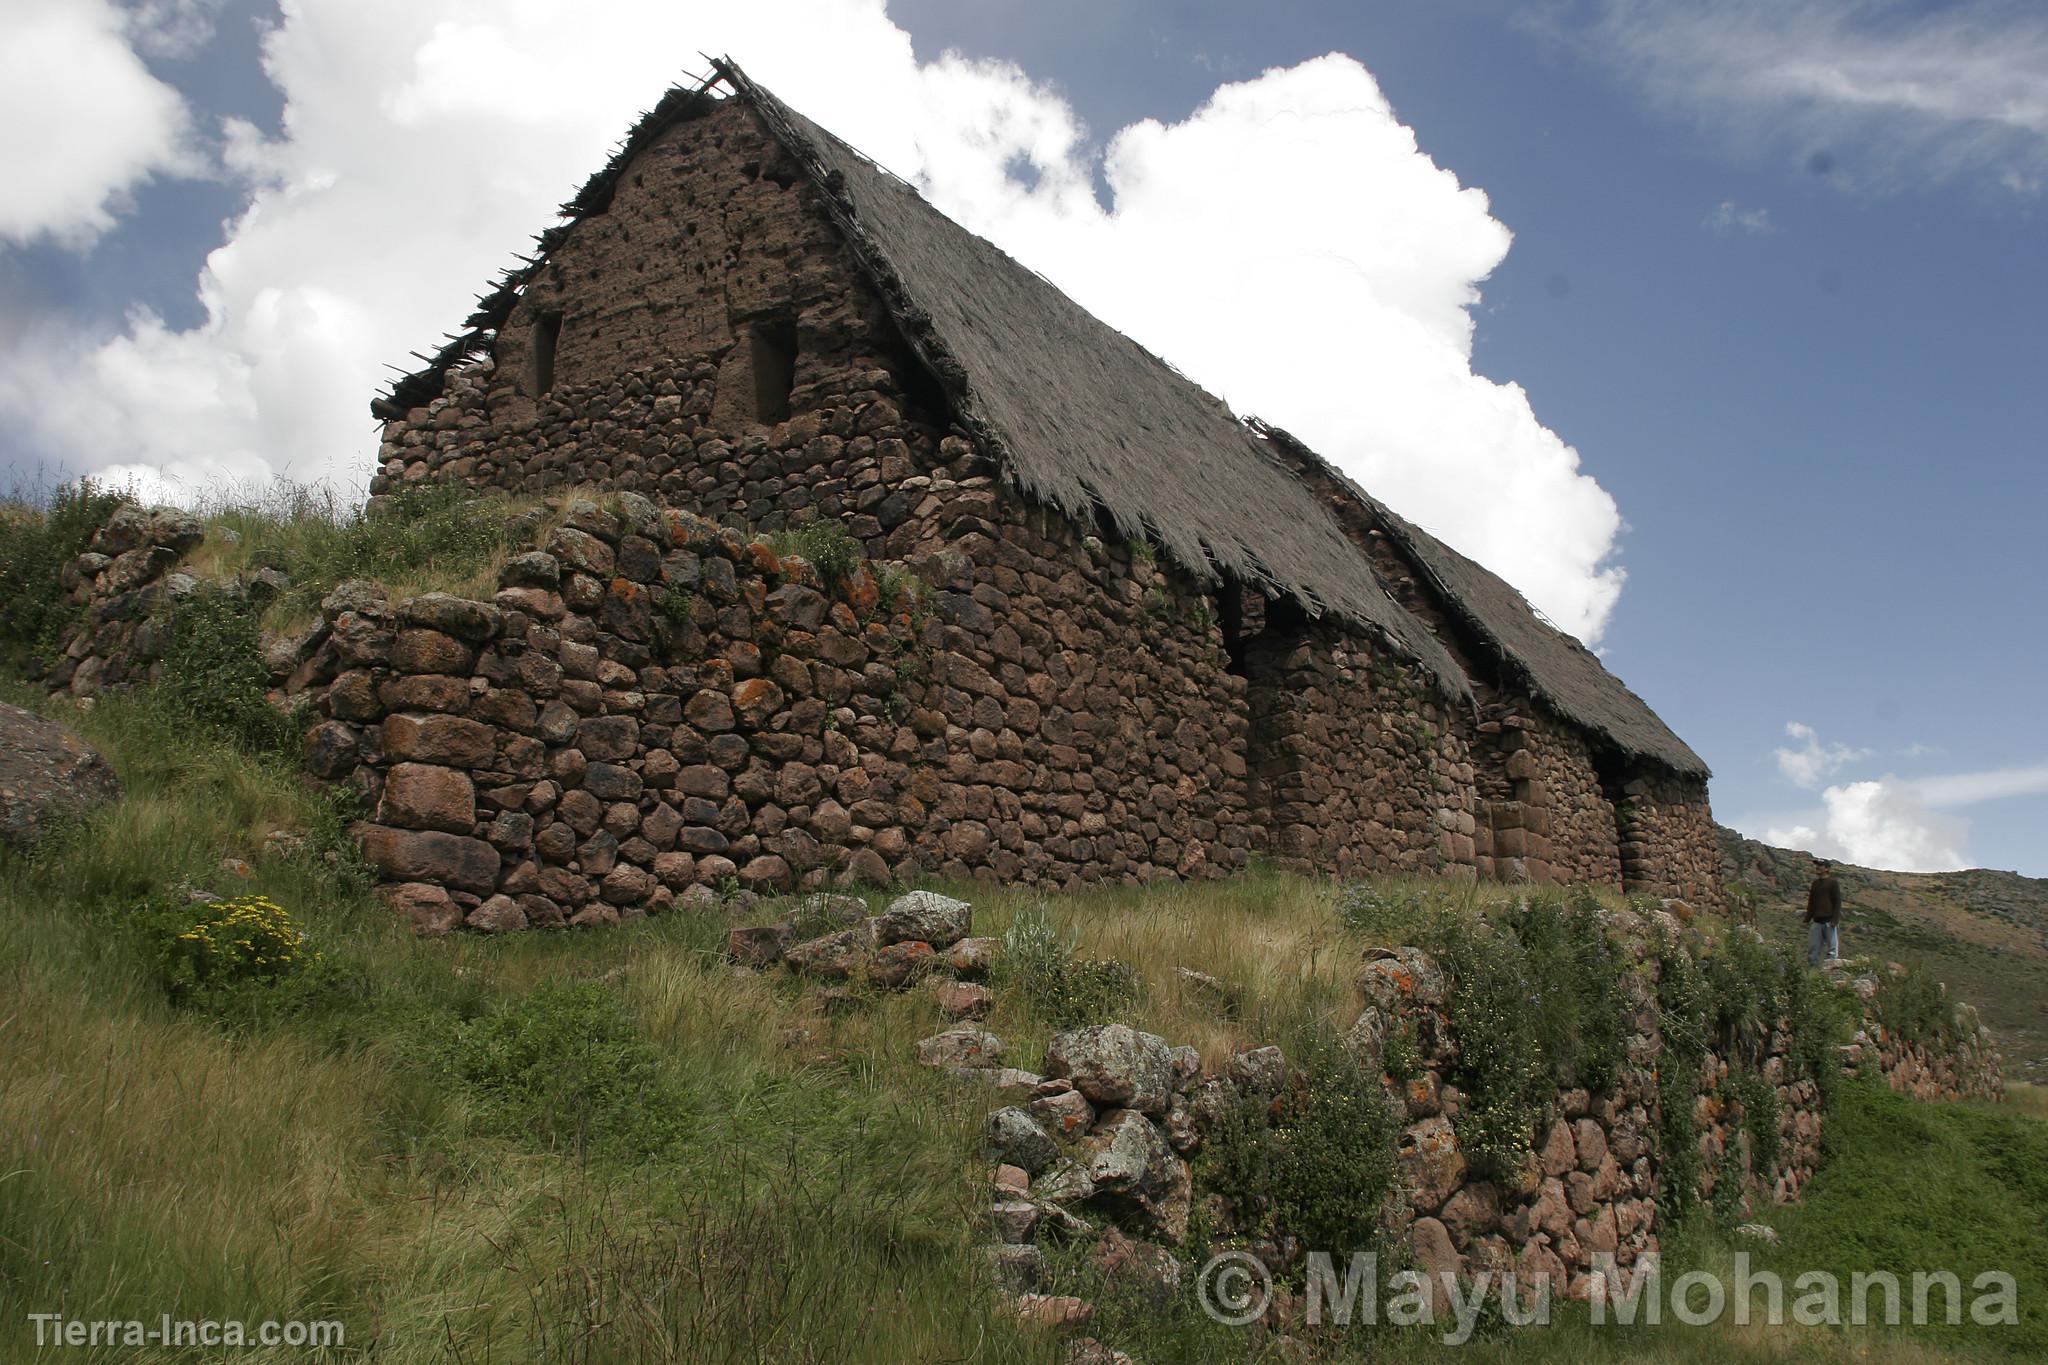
[771,353]
[547,332]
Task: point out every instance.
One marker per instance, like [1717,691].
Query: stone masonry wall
[1554,823]
[1667,839]
[1062,709]
[1359,767]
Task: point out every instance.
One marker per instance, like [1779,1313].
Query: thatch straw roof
[1080,416]
[1549,664]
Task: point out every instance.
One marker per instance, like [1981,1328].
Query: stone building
[1151,640]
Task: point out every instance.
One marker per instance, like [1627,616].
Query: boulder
[429,909]
[973,957]
[924,916]
[1137,1175]
[1115,1065]
[961,1047]
[896,965]
[46,774]
[834,957]
[1432,1167]
[406,855]
[1396,977]
[1260,1071]
[759,946]
[962,1000]
[1015,1139]
[426,796]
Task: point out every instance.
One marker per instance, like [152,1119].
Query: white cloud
[1998,784]
[173,29]
[1881,824]
[1729,217]
[1955,89]
[1812,761]
[425,144]
[1905,824]
[86,121]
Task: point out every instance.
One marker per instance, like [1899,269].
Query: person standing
[1823,915]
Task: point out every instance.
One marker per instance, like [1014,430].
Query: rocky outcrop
[47,774]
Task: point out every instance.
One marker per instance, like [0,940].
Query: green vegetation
[426,537]
[214,676]
[826,545]
[36,542]
[610,1146]
[1913,1007]
[566,1066]
[1065,988]
[1317,1162]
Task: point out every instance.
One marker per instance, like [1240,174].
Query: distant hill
[1985,933]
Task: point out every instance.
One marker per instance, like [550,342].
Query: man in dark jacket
[1823,915]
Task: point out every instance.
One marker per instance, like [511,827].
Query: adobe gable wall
[653,384]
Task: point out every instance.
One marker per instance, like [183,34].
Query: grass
[432,538]
[613,1146]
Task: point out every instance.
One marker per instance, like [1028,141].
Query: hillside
[1983,932]
[615,1145]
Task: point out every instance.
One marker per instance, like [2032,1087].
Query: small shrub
[1912,1007]
[1319,1163]
[221,945]
[1684,1006]
[213,673]
[565,1067]
[1065,989]
[1501,1066]
[35,545]
[677,605]
[826,545]
[1760,1117]
[1580,1012]
[897,586]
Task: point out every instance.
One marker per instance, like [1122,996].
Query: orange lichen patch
[687,528]
[765,559]
[625,590]
[756,594]
[863,593]
[755,700]
[797,569]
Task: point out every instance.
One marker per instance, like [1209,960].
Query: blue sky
[1788,323]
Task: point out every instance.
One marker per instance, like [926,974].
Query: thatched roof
[1080,416]
[1550,665]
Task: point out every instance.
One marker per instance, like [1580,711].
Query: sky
[1714,329]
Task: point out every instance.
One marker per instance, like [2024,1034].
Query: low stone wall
[1031,704]
[1969,1068]
[1107,1141]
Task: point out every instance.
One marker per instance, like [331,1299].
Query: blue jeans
[1823,939]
